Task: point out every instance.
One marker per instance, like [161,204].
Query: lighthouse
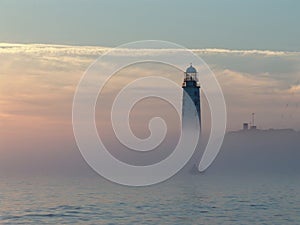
[191,88]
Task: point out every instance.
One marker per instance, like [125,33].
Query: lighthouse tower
[191,89]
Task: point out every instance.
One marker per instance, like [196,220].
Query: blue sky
[232,24]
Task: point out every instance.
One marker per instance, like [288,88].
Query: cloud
[245,52]
[78,58]
[85,51]
[37,85]
[51,50]
[39,80]
[295,89]
[275,103]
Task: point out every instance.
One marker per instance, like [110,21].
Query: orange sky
[37,84]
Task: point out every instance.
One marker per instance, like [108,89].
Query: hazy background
[38,84]
[252,47]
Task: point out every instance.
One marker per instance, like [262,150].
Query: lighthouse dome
[191,69]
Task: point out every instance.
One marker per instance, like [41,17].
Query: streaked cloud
[64,50]
[245,52]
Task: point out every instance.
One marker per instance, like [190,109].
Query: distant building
[245,126]
[252,125]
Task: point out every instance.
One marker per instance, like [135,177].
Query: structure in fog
[191,88]
[252,124]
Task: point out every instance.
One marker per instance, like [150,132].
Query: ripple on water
[168,203]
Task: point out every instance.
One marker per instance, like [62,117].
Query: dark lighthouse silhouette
[191,88]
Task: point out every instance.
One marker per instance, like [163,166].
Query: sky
[252,47]
[232,24]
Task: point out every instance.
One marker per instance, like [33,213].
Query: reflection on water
[193,200]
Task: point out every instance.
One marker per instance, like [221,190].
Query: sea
[191,199]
